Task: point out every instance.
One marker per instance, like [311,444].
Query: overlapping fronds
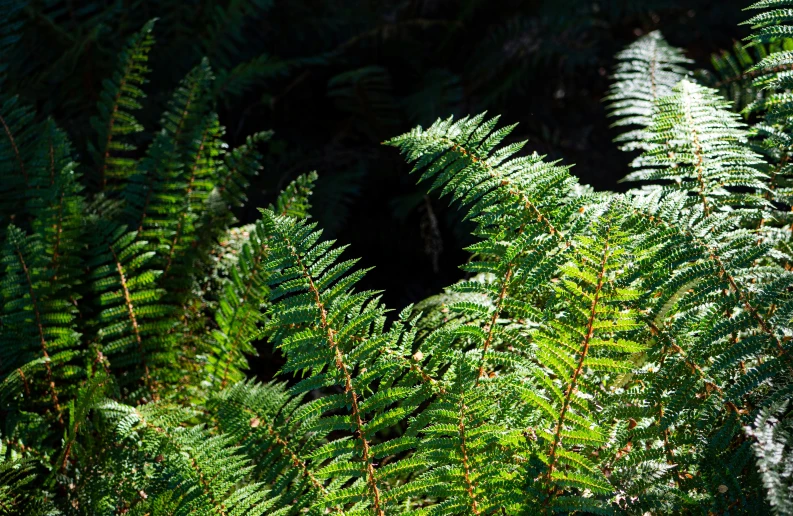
[517,205]
[646,71]
[734,72]
[16,497]
[133,325]
[773,71]
[716,348]
[241,284]
[772,75]
[270,427]
[38,343]
[530,236]
[435,311]
[163,170]
[700,147]
[329,332]
[191,471]
[606,353]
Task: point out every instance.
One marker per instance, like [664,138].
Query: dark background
[335,78]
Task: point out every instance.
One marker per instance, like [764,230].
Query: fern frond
[531,236]
[16,497]
[735,73]
[243,294]
[38,322]
[239,166]
[646,71]
[516,202]
[116,123]
[700,147]
[58,204]
[328,331]
[132,323]
[293,201]
[193,471]
[773,444]
[145,194]
[239,307]
[265,420]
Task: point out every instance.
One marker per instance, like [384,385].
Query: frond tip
[647,70]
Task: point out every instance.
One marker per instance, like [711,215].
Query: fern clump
[608,352]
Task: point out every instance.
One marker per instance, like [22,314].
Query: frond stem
[552,457]
[133,319]
[348,388]
[491,329]
[469,486]
[698,152]
[43,340]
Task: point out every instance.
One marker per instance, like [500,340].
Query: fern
[15,477]
[700,146]
[119,98]
[734,72]
[263,418]
[132,324]
[193,470]
[770,74]
[38,323]
[647,70]
[516,202]
[607,352]
[328,331]
[772,448]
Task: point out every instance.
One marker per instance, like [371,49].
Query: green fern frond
[16,497]
[646,71]
[327,331]
[191,470]
[436,311]
[265,420]
[293,201]
[239,305]
[164,171]
[58,204]
[239,166]
[242,297]
[132,324]
[701,147]
[38,324]
[516,202]
[116,122]
[734,73]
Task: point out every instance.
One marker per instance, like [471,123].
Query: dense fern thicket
[606,352]
[362,71]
